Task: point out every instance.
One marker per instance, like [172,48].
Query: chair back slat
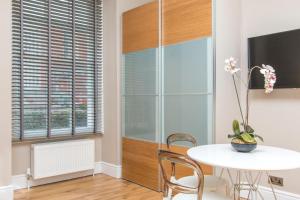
[180,137]
[175,158]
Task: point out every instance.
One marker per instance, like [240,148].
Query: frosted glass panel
[188,67]
[140,96]
[188,85]
[189,114]
[186,92]
[140,117]
[140,72]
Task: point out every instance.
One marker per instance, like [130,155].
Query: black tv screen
[281,51]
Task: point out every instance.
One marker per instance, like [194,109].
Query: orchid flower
[270,77]
[230,65]
[267,70]
[269,81]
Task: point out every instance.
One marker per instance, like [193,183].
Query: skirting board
[20,182]
[267,194]
[111,169]
[7,192]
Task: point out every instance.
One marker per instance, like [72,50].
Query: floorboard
[99,187]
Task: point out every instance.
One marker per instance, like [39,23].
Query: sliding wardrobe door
[140,95]
[167,83]
[187,64]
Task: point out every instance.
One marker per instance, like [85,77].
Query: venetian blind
[57,68]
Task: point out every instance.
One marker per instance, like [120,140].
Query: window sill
[55,139]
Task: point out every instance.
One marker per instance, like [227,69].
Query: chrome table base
[246,181]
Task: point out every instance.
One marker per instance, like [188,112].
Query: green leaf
[231,136]
[239,137]
[249,129]
[248,138]
[259,137]
[236,127]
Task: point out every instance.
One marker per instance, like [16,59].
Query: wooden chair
[212,183]
[184,192]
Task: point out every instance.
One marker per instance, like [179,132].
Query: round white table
[263,160]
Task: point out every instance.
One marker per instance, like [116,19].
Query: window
[57,68]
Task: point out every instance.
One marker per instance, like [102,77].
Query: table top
[263,158]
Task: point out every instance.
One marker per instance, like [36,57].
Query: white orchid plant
[247,135]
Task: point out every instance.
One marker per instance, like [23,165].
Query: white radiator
[57,158]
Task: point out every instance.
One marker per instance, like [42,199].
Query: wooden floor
[100,187]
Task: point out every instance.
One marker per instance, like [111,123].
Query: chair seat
[211,183]
[207,195]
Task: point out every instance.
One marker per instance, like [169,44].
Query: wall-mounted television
[280,50]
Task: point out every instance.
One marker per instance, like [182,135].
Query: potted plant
[245,140]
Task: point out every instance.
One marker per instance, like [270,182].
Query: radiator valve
[28,177]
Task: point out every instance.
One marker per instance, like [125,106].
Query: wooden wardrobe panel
[140,163]
[140,28]
[186,20]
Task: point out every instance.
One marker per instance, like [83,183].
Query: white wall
[5,91]
[228,20]
[275,116]
[111,138]
[6,192]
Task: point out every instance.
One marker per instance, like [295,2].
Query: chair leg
[198,197]
[167,193]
